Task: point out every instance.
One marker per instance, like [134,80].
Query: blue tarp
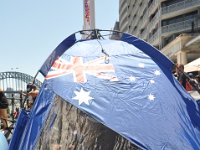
[125,84]
[19,128]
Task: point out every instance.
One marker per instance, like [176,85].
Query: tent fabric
[192,66]
[126,85]
[37,117]
[81,131]
[149,50]
[59,50]
[19,129]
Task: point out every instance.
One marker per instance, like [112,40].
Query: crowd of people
[4,105]
[188,80]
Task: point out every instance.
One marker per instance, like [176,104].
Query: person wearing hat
[3,109]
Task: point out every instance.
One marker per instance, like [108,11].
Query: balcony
[179,6]
[179,26]
[123,10]
[154,5]
[135,9]
[124,27]
[145,19]
[141,10]
[143,35]
[149,11]
[136,20]
[123,20]
[154,39]
[122,2]
[154,21]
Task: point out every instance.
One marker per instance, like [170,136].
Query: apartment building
[169,25]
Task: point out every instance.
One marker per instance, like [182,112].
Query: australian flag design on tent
[131,90]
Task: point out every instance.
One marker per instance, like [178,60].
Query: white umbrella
[192,66]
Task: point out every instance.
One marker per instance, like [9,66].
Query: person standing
[3,109]
[181,77]
[33,93]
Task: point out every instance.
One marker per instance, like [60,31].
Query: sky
[31,30]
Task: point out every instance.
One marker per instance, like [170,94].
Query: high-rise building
[169,25]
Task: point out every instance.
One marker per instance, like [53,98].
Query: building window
[170,2]
[129,27]
[135,28]
[150,2]
[141,31]
[140,3]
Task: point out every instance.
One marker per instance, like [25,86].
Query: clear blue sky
[30,30]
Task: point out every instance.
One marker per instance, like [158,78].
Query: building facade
[160,22]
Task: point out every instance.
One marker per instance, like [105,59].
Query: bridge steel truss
[16,81]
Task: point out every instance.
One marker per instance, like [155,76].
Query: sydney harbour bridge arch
[16,81]
[14,85]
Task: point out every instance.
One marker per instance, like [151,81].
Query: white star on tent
[82,96]
[152,81]
[141,65]
[157,72]
[132,78]
[151,97]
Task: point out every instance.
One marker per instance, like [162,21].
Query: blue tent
[125,84]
